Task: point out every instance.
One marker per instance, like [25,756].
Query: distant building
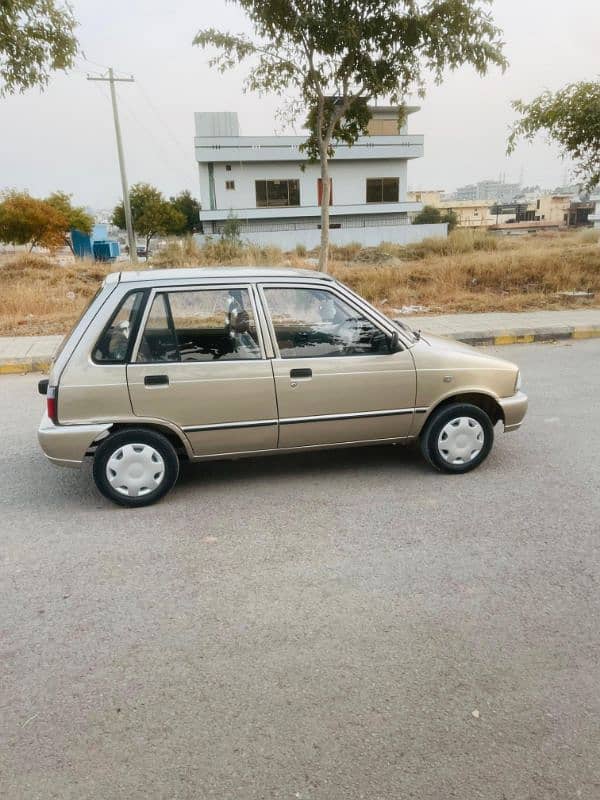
[468,192]
[553,208]
[470,213]
[429,197]
[267,184]
[496,191]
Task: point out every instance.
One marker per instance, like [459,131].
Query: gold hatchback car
[199,364]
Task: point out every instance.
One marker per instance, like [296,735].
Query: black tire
[445,416]
[153,447]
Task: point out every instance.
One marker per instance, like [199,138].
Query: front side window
[277,194]
[200,325]
[383,190]
[312,323]
[114,344]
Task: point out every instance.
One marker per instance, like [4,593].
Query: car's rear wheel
[135,467]
[457,438]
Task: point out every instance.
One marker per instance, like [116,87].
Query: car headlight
[518,382]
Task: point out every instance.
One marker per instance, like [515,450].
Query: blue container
[82,244]
[106,251]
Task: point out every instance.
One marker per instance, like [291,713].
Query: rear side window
[115,343]
[200,325]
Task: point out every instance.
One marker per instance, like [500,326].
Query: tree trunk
[325,196]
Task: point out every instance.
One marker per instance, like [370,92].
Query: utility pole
[125,188]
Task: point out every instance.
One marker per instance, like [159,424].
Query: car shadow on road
[325,463]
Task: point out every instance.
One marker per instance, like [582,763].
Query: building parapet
[223,149]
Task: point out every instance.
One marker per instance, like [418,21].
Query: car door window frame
[196,288]
[339,295]
[138,324]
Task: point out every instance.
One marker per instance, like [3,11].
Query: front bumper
[67,445]
[513,409]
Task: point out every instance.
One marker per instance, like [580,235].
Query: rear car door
[200,363]
[336,379]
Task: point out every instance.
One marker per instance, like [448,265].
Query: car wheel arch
[486,402]
[175,437]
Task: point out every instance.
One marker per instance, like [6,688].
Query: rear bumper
[514,409]
[66,445]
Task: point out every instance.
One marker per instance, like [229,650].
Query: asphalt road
[319,627]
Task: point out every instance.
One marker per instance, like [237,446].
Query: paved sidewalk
[33,353]
[27,353]
[511,328]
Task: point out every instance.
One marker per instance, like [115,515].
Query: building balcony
[225,149]
[293,212]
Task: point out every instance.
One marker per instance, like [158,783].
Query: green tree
[231,229]
[187,205]
[36,38]
[27,220]
[571,119]
[151,213]
[430,215]
[77,217]
[334,56]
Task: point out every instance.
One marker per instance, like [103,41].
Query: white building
[267,184]
[497,191]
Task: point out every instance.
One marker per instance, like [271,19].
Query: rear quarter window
[116,340]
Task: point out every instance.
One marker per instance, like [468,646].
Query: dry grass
[40,296]
[470,271]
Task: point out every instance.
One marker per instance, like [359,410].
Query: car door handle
[301,373]
[156,380]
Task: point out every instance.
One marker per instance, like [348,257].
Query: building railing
[303,225]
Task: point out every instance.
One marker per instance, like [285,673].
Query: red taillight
[51,405]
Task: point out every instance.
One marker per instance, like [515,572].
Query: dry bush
[520,274]
[589,236]
[345,252]
[470,271]
[41,296]
[216,252]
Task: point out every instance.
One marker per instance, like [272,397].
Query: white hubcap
[135,470]
[461,440]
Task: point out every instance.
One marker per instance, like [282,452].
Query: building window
[383,190]
[276,194]
[227,167]
[230,184]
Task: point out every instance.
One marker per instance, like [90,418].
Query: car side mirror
[394,342]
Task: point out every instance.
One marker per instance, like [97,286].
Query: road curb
[21,366]
[496,338]
[526,336]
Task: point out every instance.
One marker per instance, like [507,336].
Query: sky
[64,138]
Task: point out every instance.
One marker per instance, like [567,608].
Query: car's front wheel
[457,438]
[135,467]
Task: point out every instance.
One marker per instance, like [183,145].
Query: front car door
[336,379]
[200,363]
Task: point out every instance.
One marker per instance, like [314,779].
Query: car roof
[250,274]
